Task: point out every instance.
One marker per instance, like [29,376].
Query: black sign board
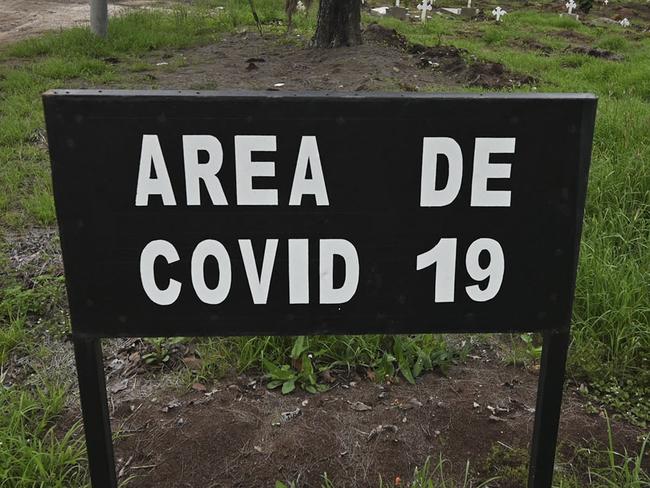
[274,213]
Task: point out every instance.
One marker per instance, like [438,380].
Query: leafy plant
[523,350]
[301,371]
[413,357]
[161,349]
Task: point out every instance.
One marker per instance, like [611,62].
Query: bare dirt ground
[25,18]
[384,62]
[238,434]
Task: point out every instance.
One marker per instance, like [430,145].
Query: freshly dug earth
[233,434]
[386,61]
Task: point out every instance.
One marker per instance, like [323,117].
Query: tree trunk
[339,23]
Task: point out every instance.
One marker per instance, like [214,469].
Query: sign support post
[94,406]
[547,412]
[99,17]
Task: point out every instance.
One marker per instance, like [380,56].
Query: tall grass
[32,452]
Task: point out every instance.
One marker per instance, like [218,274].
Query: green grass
[611,321]
[33,453]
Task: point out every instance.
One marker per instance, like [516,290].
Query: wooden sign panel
[273,213]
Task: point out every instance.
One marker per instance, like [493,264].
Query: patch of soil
[597,53]
[452,60]
[386,61]
[573,36]
[639,11]
[636,10]
[532,45]
[234,434]
[33,253]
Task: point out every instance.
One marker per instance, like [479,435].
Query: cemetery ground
[445,410]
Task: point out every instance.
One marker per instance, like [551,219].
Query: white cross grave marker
[605,2]
[498,13]
[423,7]
[469,3]
[571,5]
[397,3]
[625,22]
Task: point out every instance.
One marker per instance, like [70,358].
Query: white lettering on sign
[443,255]
[298,271]
[482,171]
[214,249]
[196,172]
[308,158]
[247,169]
[493,272]
[203,158]
[205,174]
[432,147]
[259,283]
[150,253]
[151,156]
[338,247]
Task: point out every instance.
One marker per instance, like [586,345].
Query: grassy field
[610,351]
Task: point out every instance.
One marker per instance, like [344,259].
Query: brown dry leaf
[370,374]
[192,362]
[327,377]
[199,387]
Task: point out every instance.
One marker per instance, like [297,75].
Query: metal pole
[549,405]
[94,406]
[99,17]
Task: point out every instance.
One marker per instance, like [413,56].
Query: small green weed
[629,400]
[523,349]
[429,476]
[160,349]
[302,372]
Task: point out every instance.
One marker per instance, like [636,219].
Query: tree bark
[339,24]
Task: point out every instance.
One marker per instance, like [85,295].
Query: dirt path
[25,18]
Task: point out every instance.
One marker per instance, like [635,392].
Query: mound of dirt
[379,34]
[452,61]
[239,434]
[597,53]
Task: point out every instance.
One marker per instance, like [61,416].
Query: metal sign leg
[547,414]
[97,426]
